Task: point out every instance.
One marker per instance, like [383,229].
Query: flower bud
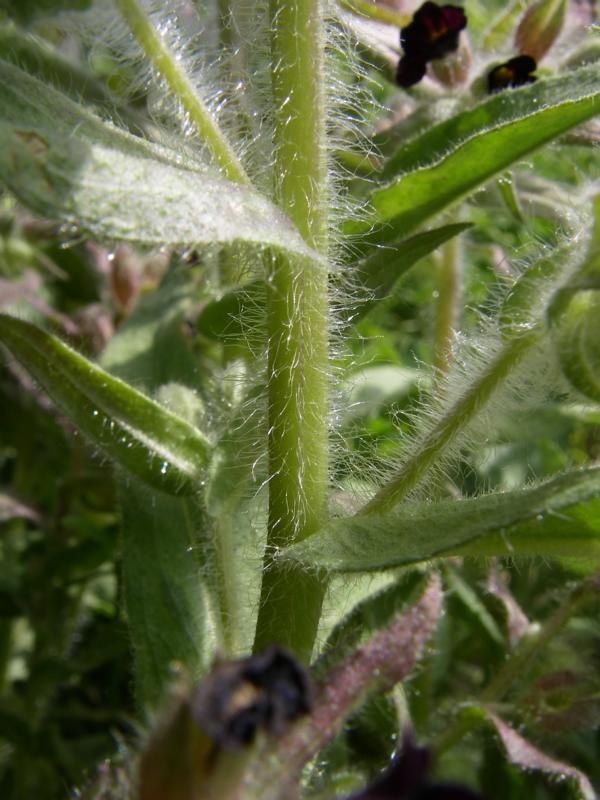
[540,26]
[454,69]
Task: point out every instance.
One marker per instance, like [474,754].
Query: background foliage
[159,292]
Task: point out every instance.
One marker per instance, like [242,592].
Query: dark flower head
[515,72]
[265,691]
[432,34]
[410,71]
[406,779]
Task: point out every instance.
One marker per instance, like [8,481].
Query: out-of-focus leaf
[526,756]
[176,761]
[12,508]
[517,623]
[378,274]
[120,187]
[559,517]
[169,608]
[28,10]
[139,434]
[452,159]
[503,25]
[150,348]
[229,317]
[40,60]
[509,196]
[574,316]
[368,389]
[461,590]
[578,343]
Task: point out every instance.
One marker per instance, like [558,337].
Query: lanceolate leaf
[42,61]
[526,756]
[460,154]
[559,517]
[170,610]
[64,162]
[139,434]
[378,274]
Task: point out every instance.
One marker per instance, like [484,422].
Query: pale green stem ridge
[297,325]
[165,63]
[454,422]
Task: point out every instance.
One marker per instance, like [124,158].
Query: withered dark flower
[406,779]
[514,72]
[265,691]
[432,34]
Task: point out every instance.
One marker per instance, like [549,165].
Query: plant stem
[454,421]
[446,312]
[297,327]
[164,61]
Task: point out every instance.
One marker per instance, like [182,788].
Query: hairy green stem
[297,326]
[164,61]
[454,421]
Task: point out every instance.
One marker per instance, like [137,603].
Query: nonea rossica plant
[302,383]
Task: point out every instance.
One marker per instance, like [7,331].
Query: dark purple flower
[515,72]
[265,691]
[432,34]
[406,779]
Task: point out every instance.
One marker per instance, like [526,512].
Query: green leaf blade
[458,155]
[170,610]
[119,187]
[139,434]
[559,517]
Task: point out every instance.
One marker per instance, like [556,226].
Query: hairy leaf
[559,517]
[523,754]
[455,157]
[169,609]
[377,275]
[139,434]
[40,60]
[117,186]
[370,615]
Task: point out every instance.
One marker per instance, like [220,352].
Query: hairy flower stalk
[165,63]
[454,421]
[297,326]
